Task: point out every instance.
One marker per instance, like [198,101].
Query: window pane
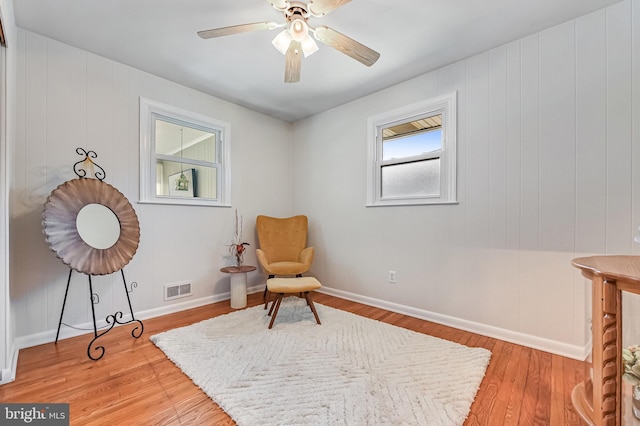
[412,138]
[184,157]
[413,144]
[207,182]
[412,154]
[175,179]
[185,142]
[419,178]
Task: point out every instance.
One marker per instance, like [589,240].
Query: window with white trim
[412,154]
[184,157]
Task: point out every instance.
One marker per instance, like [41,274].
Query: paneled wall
[7,134]
[69,98]
[548,170]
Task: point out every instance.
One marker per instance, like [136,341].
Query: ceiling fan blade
[322,7]
[237,29]
[346,45]
[279,4]
[293,62]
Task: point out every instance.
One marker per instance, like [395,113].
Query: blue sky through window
[411,145]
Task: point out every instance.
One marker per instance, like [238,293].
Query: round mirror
[91,226]
[98,226]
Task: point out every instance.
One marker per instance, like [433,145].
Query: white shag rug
[350,370]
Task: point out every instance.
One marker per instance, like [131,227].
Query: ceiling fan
[295,40]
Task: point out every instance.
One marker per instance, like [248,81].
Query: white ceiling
[412,36]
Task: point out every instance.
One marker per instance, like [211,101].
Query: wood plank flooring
[135,384]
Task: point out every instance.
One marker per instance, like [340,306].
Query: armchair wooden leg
[312,306]
[267,300]
[266,291]
[276,300]
[276,303]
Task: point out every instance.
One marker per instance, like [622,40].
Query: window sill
[180,202]
[410,203]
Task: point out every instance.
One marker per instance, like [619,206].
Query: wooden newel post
[598,400]
[607,347]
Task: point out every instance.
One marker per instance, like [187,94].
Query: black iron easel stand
[112,319]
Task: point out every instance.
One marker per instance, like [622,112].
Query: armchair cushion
[286,267]
[283,248]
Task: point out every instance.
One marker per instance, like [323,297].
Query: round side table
[238,284]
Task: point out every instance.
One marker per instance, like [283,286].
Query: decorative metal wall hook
[87,166]
[132,287]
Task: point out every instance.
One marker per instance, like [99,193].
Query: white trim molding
[150,111]
[5,295]
[444,106]
[559,348]
[86,328]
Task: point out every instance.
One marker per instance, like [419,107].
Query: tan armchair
[283,246]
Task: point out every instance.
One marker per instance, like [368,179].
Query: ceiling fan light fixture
[282,42]
[309,46]
[296,40]
[299,29]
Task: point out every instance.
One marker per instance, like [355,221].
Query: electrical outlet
[392,277]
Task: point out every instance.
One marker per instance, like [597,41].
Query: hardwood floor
[135,384]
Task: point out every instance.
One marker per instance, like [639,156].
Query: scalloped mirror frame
[61,233]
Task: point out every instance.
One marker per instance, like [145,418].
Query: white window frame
[444,105]
[149,110]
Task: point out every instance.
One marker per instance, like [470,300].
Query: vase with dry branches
[237,247]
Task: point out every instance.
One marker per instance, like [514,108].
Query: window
[184,157]
[412,154]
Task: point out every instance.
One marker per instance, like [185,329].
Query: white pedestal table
[238,284]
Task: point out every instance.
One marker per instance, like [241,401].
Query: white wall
[7,134]
[69,98]
[548,170]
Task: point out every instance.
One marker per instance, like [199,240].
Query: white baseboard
[559,348]
[9,374]
[86,328]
